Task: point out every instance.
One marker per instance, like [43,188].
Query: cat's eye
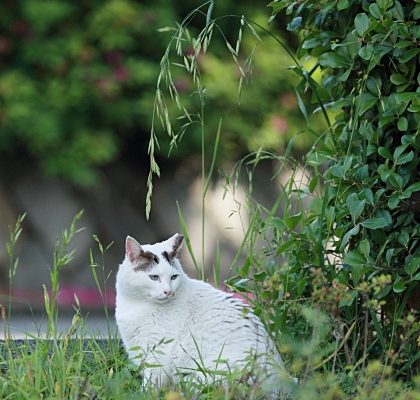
[173,277]
[154,277]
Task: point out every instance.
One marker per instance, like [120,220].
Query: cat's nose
[169,292]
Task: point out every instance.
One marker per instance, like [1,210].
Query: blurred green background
[78,80]
[77,90]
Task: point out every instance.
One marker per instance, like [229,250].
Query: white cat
[177,326]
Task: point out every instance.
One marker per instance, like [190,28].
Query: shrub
[78,81]
[347,240]
[351,248]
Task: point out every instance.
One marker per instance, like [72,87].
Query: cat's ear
[133,249]
[176,244]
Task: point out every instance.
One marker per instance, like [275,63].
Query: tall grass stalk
[62,257]
[14,235]
[101,285]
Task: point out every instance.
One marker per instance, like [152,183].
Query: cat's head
[152,271]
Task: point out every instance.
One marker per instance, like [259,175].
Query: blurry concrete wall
[113,209]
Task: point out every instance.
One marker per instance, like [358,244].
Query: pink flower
[279,124]
[120,73]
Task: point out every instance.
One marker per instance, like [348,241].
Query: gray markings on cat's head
[166,256]
[146,260]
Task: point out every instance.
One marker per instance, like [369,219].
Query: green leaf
[398,79]
[347,163]
[356,262]
[311,43]
[343,5]
[412,266]
[405,158]
[416,12]
[286,246]
[403,237]
[397,11]
[362,172]
[361,23]
[352,232]
[367,195]
[355,206]
[295,24]
[278,223]
[385,153]
[277,5]
[344,76]
[364,102]
[408,55]
[393,201]
[300,286]
[402,44]
[374,86]
[375,223]
[364,248]
[313,183]
[384,121]
[398,151]
[348,298]
[366,52]
[384,4]
[375,11]
[415,187]
[395,181]
[383,213]
[384,172]
[378,329]
[388,255]
[402,124]
[378,195]
[404,97]
[333,60]
[337,171]
[302,106]
[407,139]
[354,258]
[399,285]
[293,220]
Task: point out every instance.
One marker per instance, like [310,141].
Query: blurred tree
[78,80]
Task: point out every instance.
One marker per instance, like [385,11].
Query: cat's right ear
[132,249]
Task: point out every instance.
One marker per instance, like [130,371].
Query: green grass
[72,365]
[78,365]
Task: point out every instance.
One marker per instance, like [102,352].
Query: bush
[78,84]
[347,241]
[350,247]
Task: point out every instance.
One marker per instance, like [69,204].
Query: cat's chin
[162,300]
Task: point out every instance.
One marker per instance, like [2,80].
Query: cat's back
[221,321]
[214,305]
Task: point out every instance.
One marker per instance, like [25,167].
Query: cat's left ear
[176,244]
[132,249]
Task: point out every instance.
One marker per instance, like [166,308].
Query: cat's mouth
[162,299]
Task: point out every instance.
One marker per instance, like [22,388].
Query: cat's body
[177,325]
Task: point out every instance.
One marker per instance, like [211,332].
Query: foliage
[234,82]
[348,241]
[78,82]
[332,267]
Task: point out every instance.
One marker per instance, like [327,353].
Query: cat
[179,328]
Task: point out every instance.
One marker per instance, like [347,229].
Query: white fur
[192,325]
